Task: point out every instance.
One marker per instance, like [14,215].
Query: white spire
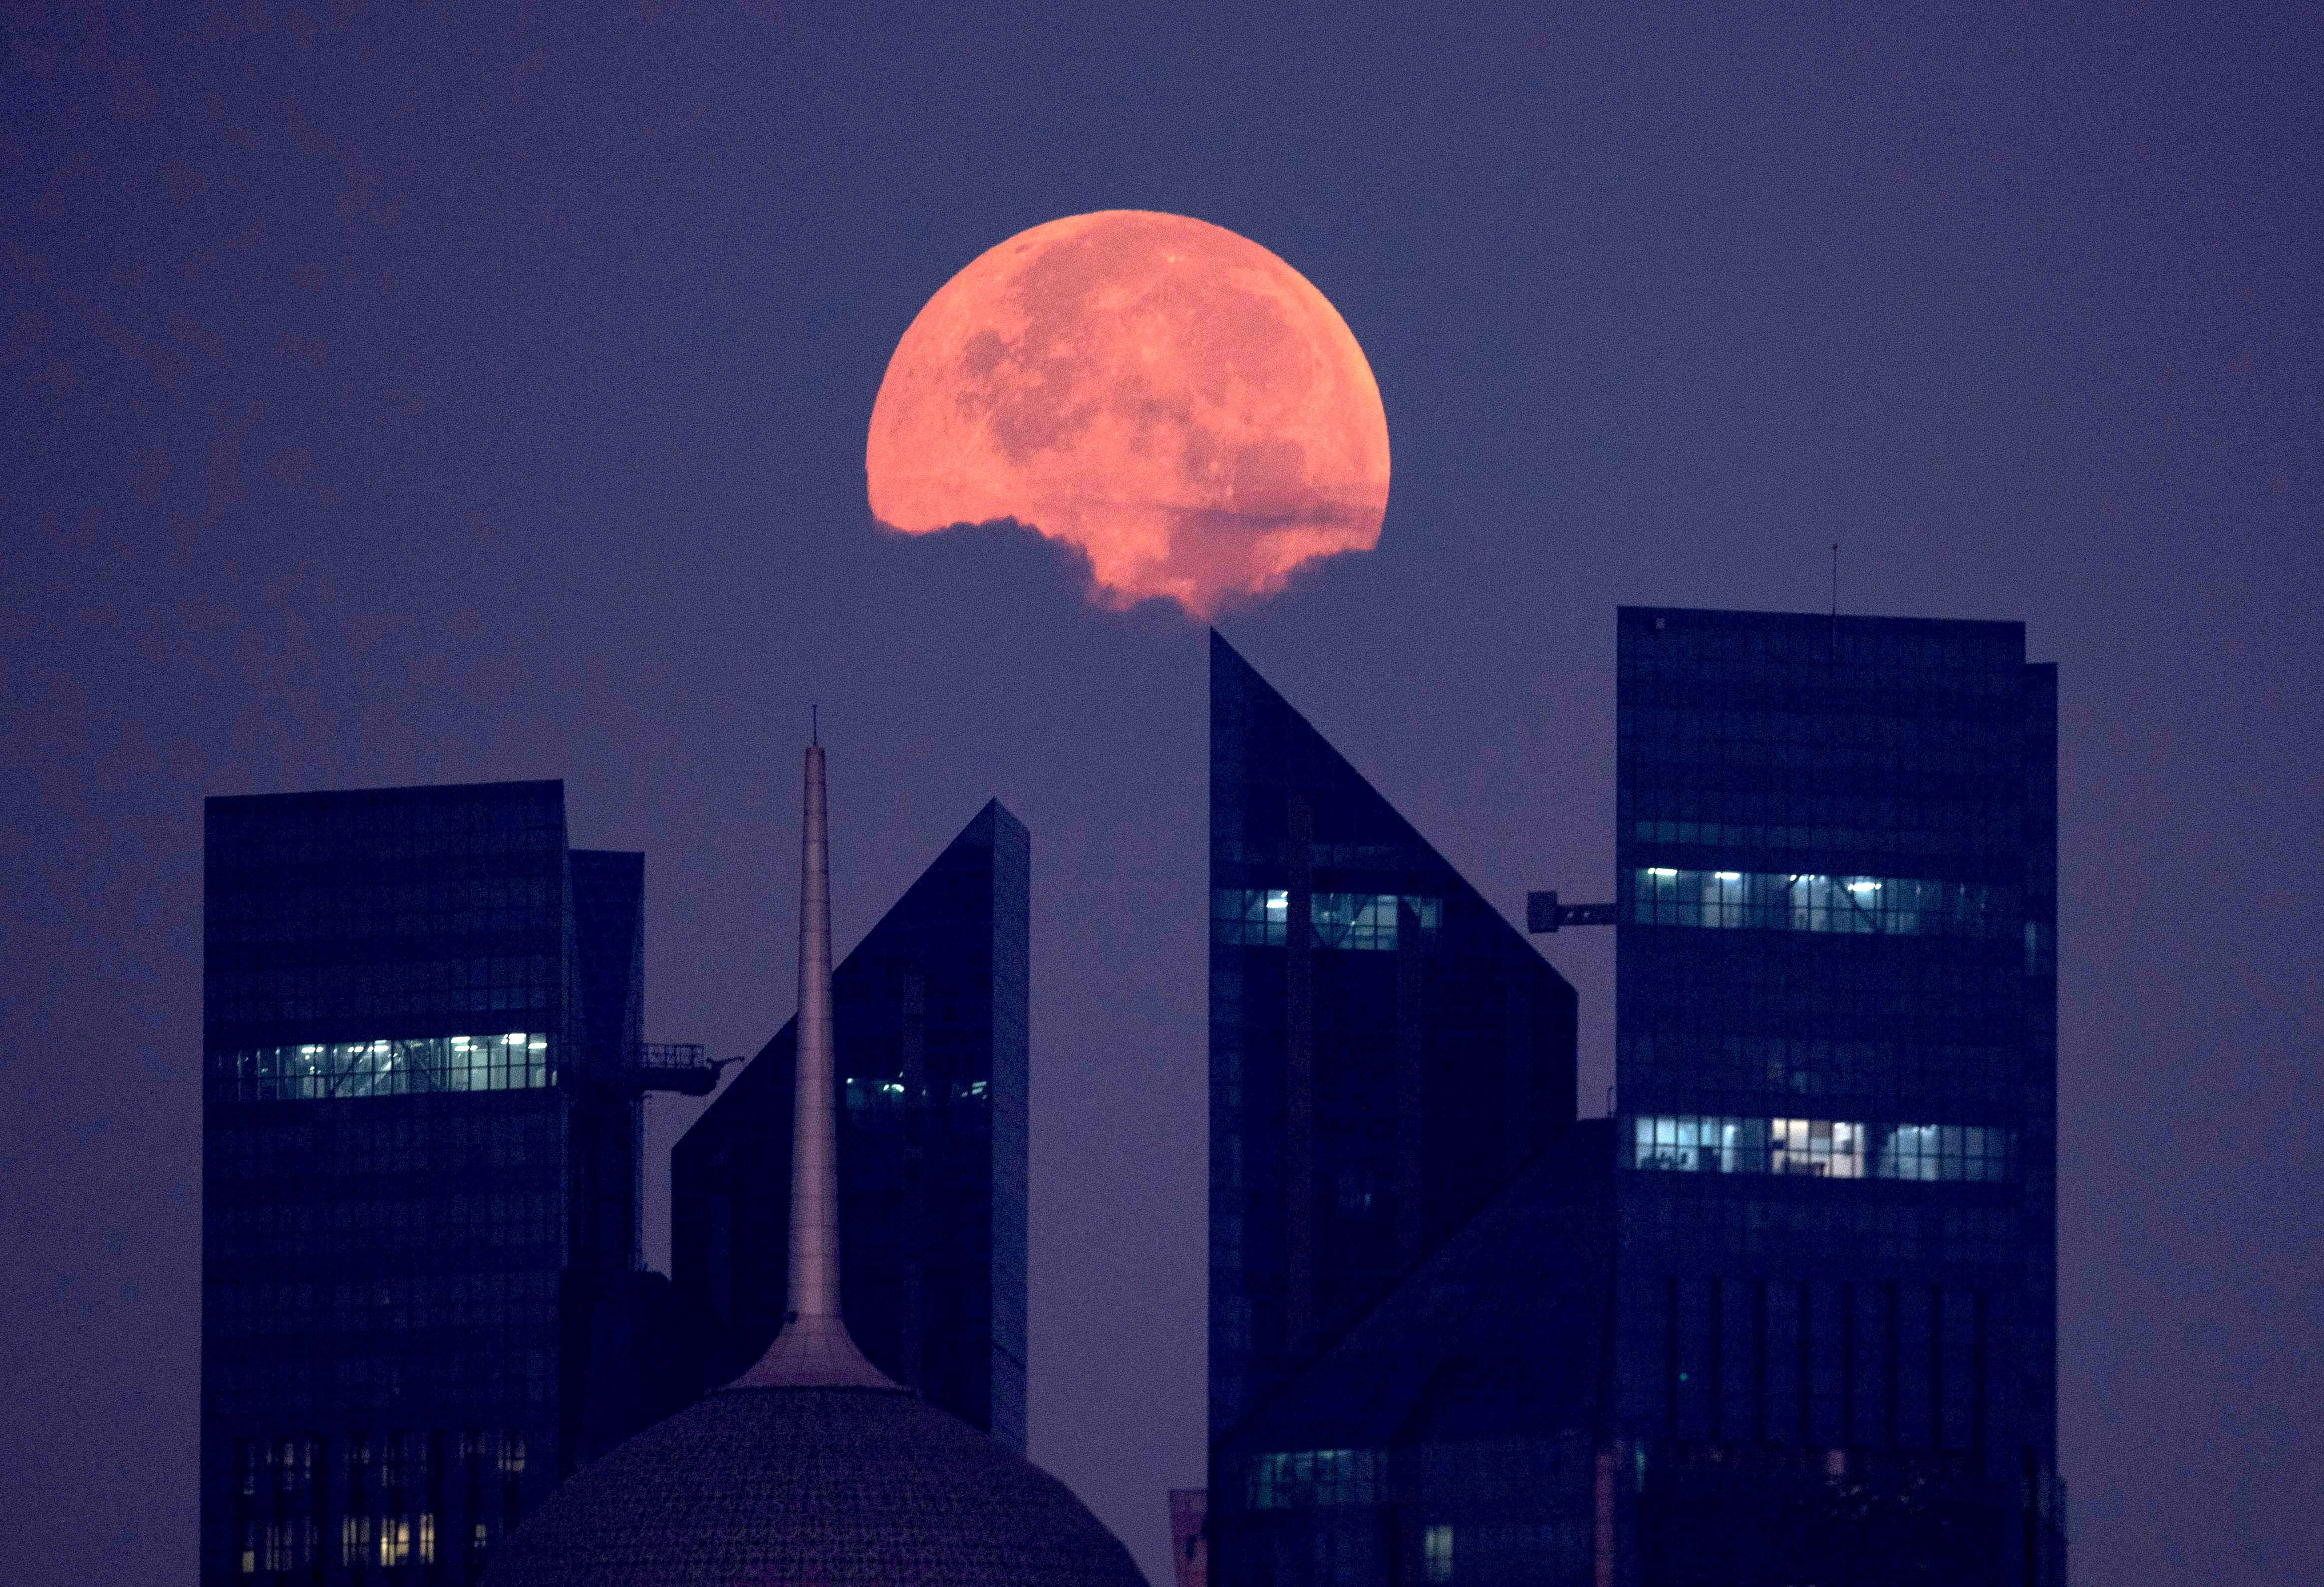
[814,1349]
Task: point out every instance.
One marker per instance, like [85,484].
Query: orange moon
[1170,398]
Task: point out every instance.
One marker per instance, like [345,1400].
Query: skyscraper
[1386,1051]
[421,1066]
[1837,1062]
[930,1022]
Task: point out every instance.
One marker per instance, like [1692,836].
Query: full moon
[1164,394]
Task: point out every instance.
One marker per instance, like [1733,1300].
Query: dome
[833,1486]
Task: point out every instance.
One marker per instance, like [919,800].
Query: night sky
[404,392]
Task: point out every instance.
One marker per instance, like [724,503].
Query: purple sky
[401,392]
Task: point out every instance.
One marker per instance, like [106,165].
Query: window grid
[1314,1477]
[1790,901]
[1825,1149]
[318,1071]
[1365,922]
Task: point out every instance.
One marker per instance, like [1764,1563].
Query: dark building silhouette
[421,1297]
[1458,1433]
[1790,1315]
[1386,1051]
[930,1019]
[1837,1067]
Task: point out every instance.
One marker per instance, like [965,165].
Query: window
[1315,1477]
[1691,1145]
[1662,895]
[1247,917]
[1943,1151]
[2039,958]
[1361,921]
[314,1071]
[1437,1553]
[1822,1148]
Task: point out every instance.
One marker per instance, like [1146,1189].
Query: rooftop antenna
[814,725]
[814,1349]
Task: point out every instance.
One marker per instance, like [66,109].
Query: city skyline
[413,397]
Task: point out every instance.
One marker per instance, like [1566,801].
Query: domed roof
[831,1486]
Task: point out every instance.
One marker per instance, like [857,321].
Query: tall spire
[814,1349]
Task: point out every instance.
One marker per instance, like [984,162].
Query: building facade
[1386,1051]
[420,1283]
[930,1017]
[1837,1080]
[422,1293]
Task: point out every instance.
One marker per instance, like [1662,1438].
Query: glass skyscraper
[930,1022]
[1837,1081]
[420,1263]
[1387,1052]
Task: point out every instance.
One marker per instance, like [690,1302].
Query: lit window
[1437,1553]
[1362,921]
[1808,901]
[1822,1148]
[1314,1477]
[1910,1152]
[388,1067]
